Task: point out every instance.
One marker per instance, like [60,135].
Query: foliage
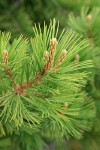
[18,17]
[42,87]
[87,24]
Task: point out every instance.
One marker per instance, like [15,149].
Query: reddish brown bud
[9,73]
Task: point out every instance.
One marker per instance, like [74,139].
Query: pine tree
[42,94]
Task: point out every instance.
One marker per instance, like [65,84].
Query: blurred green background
[18,16]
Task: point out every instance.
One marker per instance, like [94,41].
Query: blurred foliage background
[18,17]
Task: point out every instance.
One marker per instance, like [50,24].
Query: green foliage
[87,24]
[43,96]
[18,17]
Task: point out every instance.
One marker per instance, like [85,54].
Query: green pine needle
[44,94]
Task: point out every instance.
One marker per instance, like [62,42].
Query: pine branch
[41,87]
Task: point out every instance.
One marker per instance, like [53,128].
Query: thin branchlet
[17,89]
[9,72]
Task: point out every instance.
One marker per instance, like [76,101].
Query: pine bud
[5,53]
[77,57]
[46,54]
[89,18]
[63,53]
[53,42]
[5,57]
[65,105]
[50,55]
[62,56]
[61,59]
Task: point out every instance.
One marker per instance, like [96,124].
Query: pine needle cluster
[42,86]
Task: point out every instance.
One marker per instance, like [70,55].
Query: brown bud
[62,56]
[46,54]
[64,52]
[88,18]
[5,57]
[53,42]
[4,53]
